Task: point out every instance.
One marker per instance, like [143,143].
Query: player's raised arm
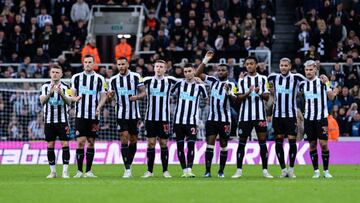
[200,70]
[330,93]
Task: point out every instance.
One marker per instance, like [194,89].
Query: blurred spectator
[123,49]
[27,66]
[44,18]
[80,11]
[345,99]
[91,49]
[41,57]
[355,125]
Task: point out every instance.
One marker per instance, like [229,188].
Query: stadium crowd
[37,31]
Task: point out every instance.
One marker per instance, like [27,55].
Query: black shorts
[86,127]
[284,126]
[157,129]
[245,127]
[131,126]
[182,131]
[316,129]
[54,130]
[223,129]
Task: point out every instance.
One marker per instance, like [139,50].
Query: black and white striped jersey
[188,98]
[55,109]
[124,87]
[315,94]
[158,97]
[219,101]
[286,90]
[89,87]
[253,107]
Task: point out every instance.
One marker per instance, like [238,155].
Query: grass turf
[20,183]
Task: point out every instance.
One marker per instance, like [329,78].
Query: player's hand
[324,79]
[111,93]
[242,75]
[257,89]
[97,112]
[252,88]
[59,90]
[77,99]
[209,55]
[52,89]
[227,87]
[198,80]
[133,98]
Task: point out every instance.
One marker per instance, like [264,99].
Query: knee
[163,143]
[51,144]
[133,139]
[151,143]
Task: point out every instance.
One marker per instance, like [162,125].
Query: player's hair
[189,65]
[225,65]
[56,67]
[285,59]
[161,61]
[251,58]
[122,58]
[89,56]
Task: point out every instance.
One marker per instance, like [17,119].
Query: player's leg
[164,156]
[81,126]
[292,155]
[224,137]
[191,150]
[124,139]
[123,129]
[81,141]
[291,132]
[180,138]
[132,147]
[310,131]
[134,131]
[51,159]
[209,154]
[211,133]
[65,158]
[279,127]
[64,138]
[325,154]
[151,141]
[90,152]
[164,151]
[50,137]
[261,128]
[245,129]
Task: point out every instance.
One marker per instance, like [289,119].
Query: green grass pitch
[20,183]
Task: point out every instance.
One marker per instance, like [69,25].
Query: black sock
[263,153]
[80,159]
[180,153]
[51,156]
[280,152]
[209,153]
[165,158]
[314,159]
[223,158]
[89,158]
[150,159]
[65,155]
[240,154]
[132,152]
[292,152]
[325,157]
[190,153]
[125,155]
